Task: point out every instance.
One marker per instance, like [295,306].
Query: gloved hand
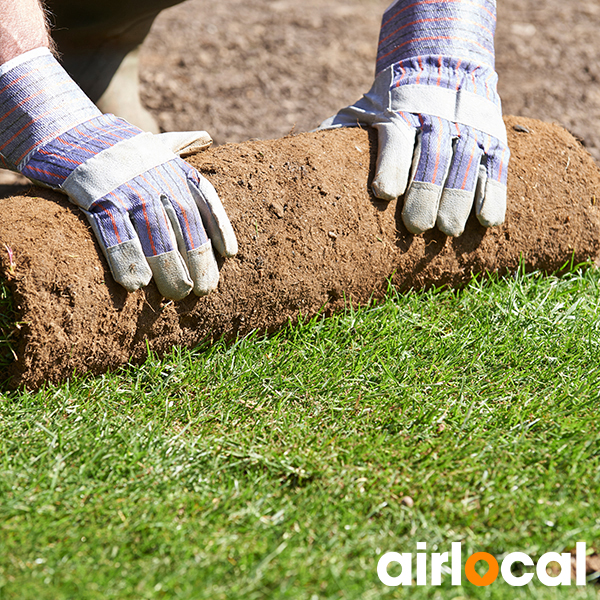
[153,214]
[434,104]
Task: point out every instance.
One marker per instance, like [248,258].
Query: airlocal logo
[439,560]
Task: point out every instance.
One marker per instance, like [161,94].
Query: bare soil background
[259,69]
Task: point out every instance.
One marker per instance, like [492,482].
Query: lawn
[285,466]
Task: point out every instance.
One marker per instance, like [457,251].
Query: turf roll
[312,237]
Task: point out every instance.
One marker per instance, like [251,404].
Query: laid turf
[280,467]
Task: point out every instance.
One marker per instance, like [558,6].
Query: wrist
[52,162]
[447,73]
[23,27]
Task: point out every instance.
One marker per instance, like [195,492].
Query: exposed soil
[311,236]
[245,70]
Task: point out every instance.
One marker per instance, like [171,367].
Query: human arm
[442,141]
[22,28]
[153,215]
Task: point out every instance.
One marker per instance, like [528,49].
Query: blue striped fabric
[451,153]
[53,162]
[38,101]
[135,209]
[449,73]
[455,28]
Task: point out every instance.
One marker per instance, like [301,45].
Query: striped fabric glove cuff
[458,28]
[38,102]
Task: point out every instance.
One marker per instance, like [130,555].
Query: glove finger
[213,214]
[171,275]
[396,143]
[200,261]
[432,161]
[185,225]
[120,245]
[156,235]
[490,202]
[171,182]
[459,192]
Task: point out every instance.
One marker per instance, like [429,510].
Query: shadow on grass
[7,330]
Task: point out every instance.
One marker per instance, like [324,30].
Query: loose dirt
[311,235]
[257,69]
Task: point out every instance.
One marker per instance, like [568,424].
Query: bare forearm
[22,28]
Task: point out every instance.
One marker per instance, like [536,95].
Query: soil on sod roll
[311,236]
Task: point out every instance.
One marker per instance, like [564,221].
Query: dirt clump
[311,236]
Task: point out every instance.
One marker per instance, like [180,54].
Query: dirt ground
[260,69]
[244,70]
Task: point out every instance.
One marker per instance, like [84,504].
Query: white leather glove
[153,214]
[442,140]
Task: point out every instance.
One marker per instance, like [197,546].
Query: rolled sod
[312,238]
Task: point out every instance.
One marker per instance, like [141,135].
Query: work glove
[442,140]
[153,215]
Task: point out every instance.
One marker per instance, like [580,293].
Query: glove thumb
[396,142]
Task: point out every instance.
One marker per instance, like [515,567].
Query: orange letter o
[472,574]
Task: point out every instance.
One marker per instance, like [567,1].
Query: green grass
[276,467]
